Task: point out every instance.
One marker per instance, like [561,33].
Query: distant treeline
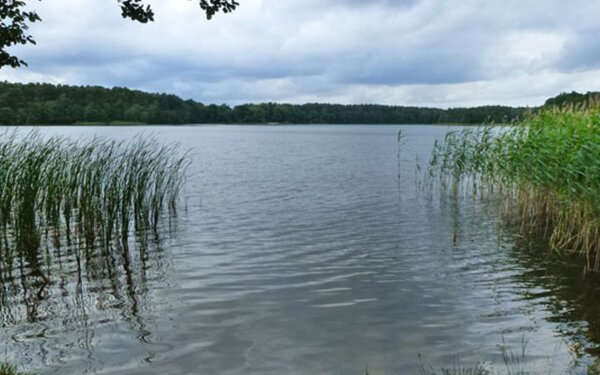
[47,104]
[573,98]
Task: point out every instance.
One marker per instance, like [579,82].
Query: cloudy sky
[441,53]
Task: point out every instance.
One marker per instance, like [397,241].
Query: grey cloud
[363,3]
[316,49]
[582,53]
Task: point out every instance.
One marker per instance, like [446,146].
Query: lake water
[304,250]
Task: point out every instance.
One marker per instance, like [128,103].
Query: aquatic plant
[514,362]
[457,369]
[545,170]
[7,369]
[89,193]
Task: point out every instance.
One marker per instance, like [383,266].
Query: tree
[15,21]
[13,26]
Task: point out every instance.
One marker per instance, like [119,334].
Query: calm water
[302,250]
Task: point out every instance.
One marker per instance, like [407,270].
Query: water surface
[301,249]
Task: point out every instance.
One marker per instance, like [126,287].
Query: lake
[304,249]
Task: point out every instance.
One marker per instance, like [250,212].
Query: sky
[438,53]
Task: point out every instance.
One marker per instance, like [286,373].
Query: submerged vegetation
[90,193]
[545,170]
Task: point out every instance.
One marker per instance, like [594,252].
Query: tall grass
[85,192]
[546,169]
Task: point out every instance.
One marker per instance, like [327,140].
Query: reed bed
[546,169]
[88,193]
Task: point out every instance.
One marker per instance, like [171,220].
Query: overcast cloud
[441,53]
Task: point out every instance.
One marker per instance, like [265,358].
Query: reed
[90,193]
[7,369]
[545,169]
[457,369]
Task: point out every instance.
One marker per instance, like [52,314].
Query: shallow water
[302,249]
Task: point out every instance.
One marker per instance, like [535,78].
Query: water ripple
[299,251]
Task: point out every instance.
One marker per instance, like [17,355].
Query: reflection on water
[301,249]
[571,296]
[55,307]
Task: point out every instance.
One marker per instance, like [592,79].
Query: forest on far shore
[48,104]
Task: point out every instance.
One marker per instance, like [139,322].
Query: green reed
[87,192]
[545,168]
[7,369]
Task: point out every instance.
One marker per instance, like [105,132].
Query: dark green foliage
[47,104]
[211,7]
[315,113]
[572,99]
[135,10]
[138,11]
[14,20]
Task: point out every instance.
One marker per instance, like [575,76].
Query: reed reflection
[80,224]
[57,298]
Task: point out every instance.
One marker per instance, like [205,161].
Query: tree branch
[15,21]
